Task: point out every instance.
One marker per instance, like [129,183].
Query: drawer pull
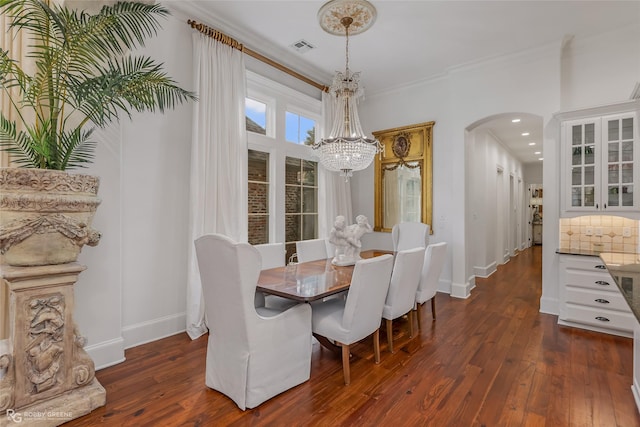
[602,319]
[601,283]
[602,301]
[600,267]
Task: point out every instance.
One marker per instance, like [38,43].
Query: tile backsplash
[617,234]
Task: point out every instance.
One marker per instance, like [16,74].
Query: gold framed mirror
[403,184]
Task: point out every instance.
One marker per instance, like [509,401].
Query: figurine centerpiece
[346,239]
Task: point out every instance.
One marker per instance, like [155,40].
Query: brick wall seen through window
[301,202]
[258,177]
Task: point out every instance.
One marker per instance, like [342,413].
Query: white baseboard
[462,290]
[549,306]
[106,353]
[485,272]
[444,286]
[109,353]
[152,330]
[608,331]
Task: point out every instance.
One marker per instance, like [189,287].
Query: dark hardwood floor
[489,360]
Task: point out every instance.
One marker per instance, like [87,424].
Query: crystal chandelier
[347,148]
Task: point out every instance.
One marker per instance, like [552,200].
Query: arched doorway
[504,152]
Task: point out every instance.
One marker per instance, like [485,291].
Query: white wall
[133,290]
[488,155]
[98,292]
[601,69]
[532,173]
[527,82]
[155,173]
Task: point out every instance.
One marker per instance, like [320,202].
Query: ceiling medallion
[361,11]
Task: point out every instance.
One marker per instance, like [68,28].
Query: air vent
[302,46]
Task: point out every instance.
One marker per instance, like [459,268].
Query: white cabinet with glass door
[601,174]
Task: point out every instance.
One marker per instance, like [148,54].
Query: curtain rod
[229,41]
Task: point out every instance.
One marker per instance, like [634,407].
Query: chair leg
[410,317]
[345,364]
[390,334]
[418,309]
[376,345]
[433,307]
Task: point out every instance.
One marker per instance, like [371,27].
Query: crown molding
[196,11]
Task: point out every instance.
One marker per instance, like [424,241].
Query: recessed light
[515,121]
[525,133]
[537,152]
[540,158]
[532,143]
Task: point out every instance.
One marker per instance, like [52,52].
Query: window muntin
[258,191]
[301,202]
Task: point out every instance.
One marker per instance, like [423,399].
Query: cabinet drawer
[597,298]
[599,317]
[591,279]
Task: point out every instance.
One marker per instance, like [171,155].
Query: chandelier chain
[346,71]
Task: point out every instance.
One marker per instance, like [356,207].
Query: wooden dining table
[309,281]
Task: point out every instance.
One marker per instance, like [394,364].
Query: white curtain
[334,193]
[218,196]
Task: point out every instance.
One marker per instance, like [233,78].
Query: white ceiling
[526,148]
[414,40]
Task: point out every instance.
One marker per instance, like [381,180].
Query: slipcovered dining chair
[273,255]
[349,321]
[409,235]
[401,297]
[253,353]
[434,258]
[312,250]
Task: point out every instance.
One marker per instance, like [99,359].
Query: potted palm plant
[84,77]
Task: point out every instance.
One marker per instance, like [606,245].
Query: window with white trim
[282,172]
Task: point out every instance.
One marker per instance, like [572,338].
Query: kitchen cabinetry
[537,233]
[535,215]
[590,299]
[600,174]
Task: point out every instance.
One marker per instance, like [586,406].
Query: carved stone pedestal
[46,377]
